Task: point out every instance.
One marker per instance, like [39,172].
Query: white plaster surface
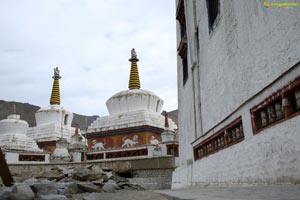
[13,135]
[13,158]
[51,124]
[248,49]
[53,114]
[130,119]
[132,100]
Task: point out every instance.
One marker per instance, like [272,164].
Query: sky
[90,41]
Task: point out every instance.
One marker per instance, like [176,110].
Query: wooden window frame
[175,149]
[229,135]
[182,47]
[180,16]
[31,158]
[286,97]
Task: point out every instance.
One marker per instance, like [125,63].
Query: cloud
[90,41]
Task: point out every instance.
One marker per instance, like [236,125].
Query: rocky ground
[86,183]
[93,183]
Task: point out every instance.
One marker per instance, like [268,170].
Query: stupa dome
[13,135]
[13,124]
[132,100]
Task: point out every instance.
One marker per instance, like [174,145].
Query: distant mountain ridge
[27,111]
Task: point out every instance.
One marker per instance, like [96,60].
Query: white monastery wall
[247,50]
[271,156]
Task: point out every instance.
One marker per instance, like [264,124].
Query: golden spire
[55,95]
[134,79]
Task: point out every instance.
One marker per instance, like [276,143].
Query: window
[40,158]
[182,47]
[182,51]
[180,16]
[66,119]
[97,156]
[278,107]
[185,74]
[157,105]
[226,137]
[213,9]
[172,149]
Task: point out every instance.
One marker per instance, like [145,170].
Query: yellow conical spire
[134,79]
[55,95]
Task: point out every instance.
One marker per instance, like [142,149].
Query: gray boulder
[52,197]
[85,175]
[5,192]
[110,186]
[53,175]
[21,192]
[30,181]
[88,187]
[70,189]
[44,189]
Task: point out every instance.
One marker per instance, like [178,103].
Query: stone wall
[152,173]
[153,179]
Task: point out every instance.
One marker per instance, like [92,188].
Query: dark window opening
[40,158]
[172,149]
[182,48]
[180,16]
[127,174]
[183,28]
[213,9]
[185,73]
[66,119]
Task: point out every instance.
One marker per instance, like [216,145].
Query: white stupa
[52,122]
[133,107]
[13,135]
[130,109]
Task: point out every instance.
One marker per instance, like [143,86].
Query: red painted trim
[285,92]
[221,132]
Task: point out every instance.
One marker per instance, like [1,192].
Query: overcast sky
[90,41]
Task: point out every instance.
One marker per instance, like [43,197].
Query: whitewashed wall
[248,49]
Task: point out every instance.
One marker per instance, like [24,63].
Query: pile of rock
[67,183]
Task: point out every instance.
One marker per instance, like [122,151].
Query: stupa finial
[55,95]
[134,79]
[77,130]
[166,119]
